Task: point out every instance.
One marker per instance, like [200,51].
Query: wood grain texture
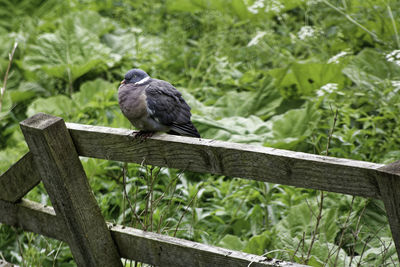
[134,244]
[34,217]
[67,185]
[389,185]
[162,250]
[237,160]
[19,179]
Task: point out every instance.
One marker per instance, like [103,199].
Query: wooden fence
[55,148]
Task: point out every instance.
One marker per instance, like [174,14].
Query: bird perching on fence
[153,105]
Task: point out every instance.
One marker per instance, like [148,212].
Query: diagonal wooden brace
[19,179]
[63,176]
[388,178]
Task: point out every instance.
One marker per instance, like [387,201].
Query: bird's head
[135,76]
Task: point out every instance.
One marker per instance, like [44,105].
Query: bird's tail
[187,129]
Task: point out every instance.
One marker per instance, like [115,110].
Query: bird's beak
[123,81]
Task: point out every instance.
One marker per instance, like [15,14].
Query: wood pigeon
[153,105]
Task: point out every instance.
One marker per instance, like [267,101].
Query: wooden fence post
[388,178]
[65,180]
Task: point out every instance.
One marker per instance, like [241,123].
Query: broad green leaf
[185,5]
[261,102]
[240,227]
[17,95]
[10,155]
[239,7]
[92,21]
[72,50]
[235,129]
[282,131]
[302,79]
[244,9]
[370,68]
[329,225]
[236,7]
[258,243]
[27,90]
[231,242]
[55,105]
[292,127]
[315,262]
[98,93]
[376,252]
[300,219]
[130,43]
[26,12]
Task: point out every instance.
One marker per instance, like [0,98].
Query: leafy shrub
[269,73]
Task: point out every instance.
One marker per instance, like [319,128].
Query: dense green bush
[269,73]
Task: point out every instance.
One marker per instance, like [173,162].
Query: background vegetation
[260,72]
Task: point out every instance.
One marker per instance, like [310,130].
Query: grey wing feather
[166,105]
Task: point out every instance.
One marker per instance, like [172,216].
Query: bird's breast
[132,101]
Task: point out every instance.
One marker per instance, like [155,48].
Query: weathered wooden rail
[55,148]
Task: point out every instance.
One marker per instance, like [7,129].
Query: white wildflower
[394,57]
[327,89]
[136,30]
[258,4]
[256,38]
[313,2]
[274,6]
[396,89]
[335,58]
[396,85]
[306,32]
[283,16]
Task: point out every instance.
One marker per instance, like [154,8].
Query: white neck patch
[143,80]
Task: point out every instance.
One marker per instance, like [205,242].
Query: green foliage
[235,7]
[258,72]
[303,79]
[73,50]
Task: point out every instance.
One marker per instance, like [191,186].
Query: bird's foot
[143,135]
